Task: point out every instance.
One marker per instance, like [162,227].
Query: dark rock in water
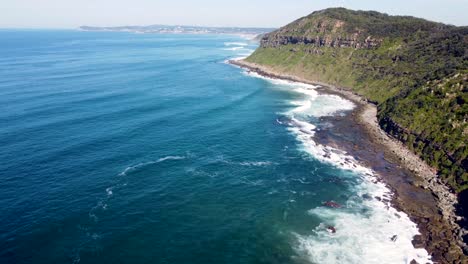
[418,241]
[419,204]
[331,229]
[283,120]
[366,196]
[332,204]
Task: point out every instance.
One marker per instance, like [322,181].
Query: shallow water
[133,148]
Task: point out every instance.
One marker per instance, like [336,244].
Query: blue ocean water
[142,148]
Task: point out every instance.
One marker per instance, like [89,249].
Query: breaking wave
[235,44]
[144,164]
[234,48]
[102,204]
[367,229]
[256,163]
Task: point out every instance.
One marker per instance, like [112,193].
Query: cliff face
[274,41]
[414,70]
[338,28]
[320,30]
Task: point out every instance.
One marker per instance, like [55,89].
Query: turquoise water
[134,148]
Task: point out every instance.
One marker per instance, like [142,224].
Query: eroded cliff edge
[415,71]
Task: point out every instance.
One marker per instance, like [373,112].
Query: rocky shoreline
[435,215]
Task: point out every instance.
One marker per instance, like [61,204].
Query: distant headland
[175,29]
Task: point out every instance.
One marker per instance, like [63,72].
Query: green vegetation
[415,70]
[342,22]
[434,118]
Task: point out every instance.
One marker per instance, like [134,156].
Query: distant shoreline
[245,35]
[365,116]
[174,29]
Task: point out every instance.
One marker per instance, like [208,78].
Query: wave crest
[235,44]
[144,164]
[367,229]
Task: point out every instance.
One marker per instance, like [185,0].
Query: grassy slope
[417,76]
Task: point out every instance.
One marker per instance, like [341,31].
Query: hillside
[415,70]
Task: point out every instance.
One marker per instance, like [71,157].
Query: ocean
[150,148]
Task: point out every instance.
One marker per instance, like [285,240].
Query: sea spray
[367,229]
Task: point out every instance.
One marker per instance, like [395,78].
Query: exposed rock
[441,235]
[275,40]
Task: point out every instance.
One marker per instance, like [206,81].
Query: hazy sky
[260,13]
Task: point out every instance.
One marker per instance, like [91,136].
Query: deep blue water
[133,148]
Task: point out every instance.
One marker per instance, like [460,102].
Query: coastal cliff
[415,71]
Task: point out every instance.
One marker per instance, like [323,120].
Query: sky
[243,13]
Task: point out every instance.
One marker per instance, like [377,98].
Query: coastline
[436,219]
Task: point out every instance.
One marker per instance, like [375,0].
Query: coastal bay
[153,147]
[237,132]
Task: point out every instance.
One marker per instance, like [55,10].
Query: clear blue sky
[260,13]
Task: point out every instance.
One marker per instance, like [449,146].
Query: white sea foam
[312,103]
[143,164]
[290,85]
[235,44]
[170,158]
[303,127]
[234,48]
[315,104]
[256,163]
[364,227]
[245,163]
[240,57]
[241,52]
